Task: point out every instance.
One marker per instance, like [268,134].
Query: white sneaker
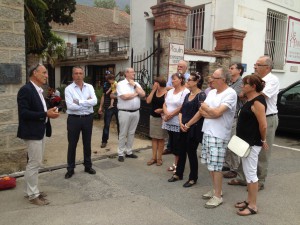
[213,202]
[210,194]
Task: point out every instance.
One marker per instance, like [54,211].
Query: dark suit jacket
[32,116]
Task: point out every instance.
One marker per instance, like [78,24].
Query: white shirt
[271,90]
[40,91]
[124,87]
[173,101]
[86,99]
[220,127]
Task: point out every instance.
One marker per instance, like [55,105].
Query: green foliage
[107,4]
[127,9]
[55,49]
[38,14]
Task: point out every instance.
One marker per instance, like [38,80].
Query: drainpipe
[212,28]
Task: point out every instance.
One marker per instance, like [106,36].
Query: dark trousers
[188,148]
[108,114]
[75,125]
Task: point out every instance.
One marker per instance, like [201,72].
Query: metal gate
[144,66]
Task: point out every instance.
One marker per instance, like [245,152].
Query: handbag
[239,146]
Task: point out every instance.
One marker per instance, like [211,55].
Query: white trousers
[128,122]
[35,150]
[250,164]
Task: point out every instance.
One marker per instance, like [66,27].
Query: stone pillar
[170,23]
[12,52]
[230,41]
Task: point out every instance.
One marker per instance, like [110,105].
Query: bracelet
[186,126]
[263,141]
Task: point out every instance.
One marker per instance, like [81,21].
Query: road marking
[294,149]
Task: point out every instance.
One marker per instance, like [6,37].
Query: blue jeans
[109,112]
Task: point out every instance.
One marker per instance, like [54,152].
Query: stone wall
[12,51]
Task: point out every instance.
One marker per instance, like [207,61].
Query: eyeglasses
[260,65]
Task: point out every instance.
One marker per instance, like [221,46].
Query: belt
[74,115]
[273,114]
[125,110]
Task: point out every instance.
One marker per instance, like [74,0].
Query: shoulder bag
[239,146]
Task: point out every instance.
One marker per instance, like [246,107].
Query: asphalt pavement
[134,193]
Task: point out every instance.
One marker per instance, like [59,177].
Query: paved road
[133,193]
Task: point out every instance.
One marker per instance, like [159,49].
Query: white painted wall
[252,19]
[247,15]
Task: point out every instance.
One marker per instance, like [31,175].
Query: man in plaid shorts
[218,110]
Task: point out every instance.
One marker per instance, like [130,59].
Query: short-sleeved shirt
[173,101]
[220,127]
[106,102]
[124,87]
[271,90]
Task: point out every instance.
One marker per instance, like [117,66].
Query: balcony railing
[109,47]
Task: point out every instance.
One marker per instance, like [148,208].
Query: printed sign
[293,41]
[176,54]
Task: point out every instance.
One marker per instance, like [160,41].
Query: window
[275,40]
[113,46]
[195,29]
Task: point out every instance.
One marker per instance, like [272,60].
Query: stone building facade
[12,54]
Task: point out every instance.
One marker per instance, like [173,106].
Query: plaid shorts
[213,152]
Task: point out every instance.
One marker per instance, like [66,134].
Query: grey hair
[225,74]
[33,68]
[77,67]
[268,61]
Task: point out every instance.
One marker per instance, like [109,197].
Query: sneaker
[121,158]
[103,145]
[213,202]
[210,194]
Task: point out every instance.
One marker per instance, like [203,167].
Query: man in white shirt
[129,93]
[263,68]
[80,98]
[218,109]
[182,67]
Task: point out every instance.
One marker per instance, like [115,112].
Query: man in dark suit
[34,125]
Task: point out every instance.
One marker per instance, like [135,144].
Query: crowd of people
[181,112]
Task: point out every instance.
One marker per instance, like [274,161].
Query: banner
[176,54]
[293,41]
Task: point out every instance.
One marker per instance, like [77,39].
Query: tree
[55,49]
[107,4]
[127,9]
[38,15]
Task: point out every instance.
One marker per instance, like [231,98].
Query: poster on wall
[176,54]
[293,41]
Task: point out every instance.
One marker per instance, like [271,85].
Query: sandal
[159,162]
[151,162]
[172,168]
[241,205]
[251,212]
